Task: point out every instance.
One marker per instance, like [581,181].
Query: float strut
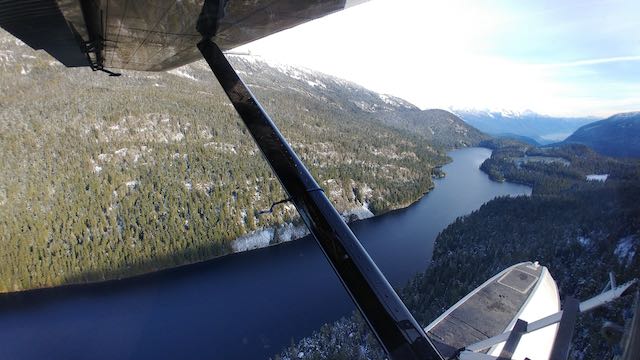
[394,326]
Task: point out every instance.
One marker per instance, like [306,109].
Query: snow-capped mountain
[500,113]
[543,129]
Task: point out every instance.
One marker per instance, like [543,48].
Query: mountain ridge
[433,124]
[617,135]
[262,76]
[544,129]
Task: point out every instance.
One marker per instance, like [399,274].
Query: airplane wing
[148,35]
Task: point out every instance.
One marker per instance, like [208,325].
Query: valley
[150,181]
[526,126]
[114,177]
[246,305]
[579,227]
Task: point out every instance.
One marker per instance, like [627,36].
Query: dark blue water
[243,306]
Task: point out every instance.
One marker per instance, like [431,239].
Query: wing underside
[149,35]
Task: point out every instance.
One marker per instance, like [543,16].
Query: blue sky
[569,58]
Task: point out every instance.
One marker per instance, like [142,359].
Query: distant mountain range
[540,128]
[618,135]
[438,127]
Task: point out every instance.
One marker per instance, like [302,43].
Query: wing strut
[388,317]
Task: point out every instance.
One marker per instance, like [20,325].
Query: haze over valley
[542,129]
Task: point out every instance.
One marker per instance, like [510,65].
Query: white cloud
[587,62]
[491,54]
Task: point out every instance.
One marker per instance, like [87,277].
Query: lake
[242,306]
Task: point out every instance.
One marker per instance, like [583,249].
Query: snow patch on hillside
[182,73]
[584,241]
[255,240]
[359,213]
[626,250]
[597,177]
[316,83]
[288,232]
[364,106]
[7,56]
[394,101]
[178,136]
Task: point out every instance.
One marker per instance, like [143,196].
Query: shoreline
[152,272]
[72,285]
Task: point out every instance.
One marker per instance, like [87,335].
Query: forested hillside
[618,135]
[104,177]
[553,170]
[579,226]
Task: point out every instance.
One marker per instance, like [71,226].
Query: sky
[560,57]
